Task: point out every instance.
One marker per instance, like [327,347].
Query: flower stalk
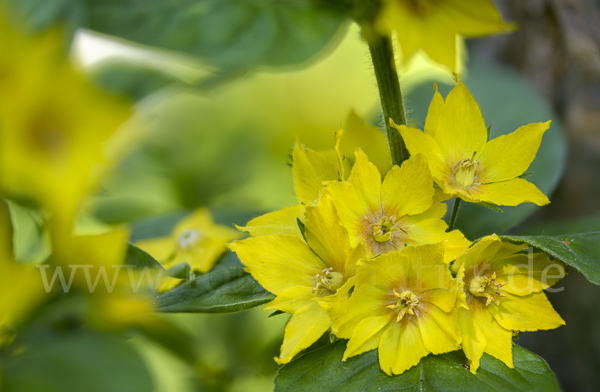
[392,105]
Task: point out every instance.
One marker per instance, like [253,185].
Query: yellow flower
[464,164]
[503,293]
[311,277]
[197,241]
[53,124]
[405,304]
[434,25]
[95,263]
[402,210]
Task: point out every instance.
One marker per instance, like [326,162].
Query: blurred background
[215,127]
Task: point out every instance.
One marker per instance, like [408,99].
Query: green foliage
[230,34]
[75,362]
[507,101]
[323,370]
[581,251]
[140,259]
[227,288]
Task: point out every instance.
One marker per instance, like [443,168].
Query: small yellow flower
[311,277]
[197,241]
[434,25]
[502,294]
[404,304]
[53,124]
[402,210]
[464,164]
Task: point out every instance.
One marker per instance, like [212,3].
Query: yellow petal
[167,283]
[160,248]
[310,169]
[335,305]
[482,333]
[278,262]
[366,180]
[527,273]
[526,313]
[348,206]
[305,327]
[401,347]
[508,156]
[366,301]
[325,235]
[509,193]
[419,142]
[456,245]
[475,19]
[291,300]
[367,334]
[284,221]
[457,125]
[408,189]
[439,330]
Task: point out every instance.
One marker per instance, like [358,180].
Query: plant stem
[382,54]
[454,213]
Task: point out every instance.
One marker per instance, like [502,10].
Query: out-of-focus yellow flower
[503,293]
[402,210]
[311,277]
[197,241]
[433,26]
[464,164]
[95,264]
[405,304]
[52,123]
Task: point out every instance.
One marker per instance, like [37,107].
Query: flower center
[383,231]
[483,286]
[327,282]
[405,302]
[188,238]
[465,171]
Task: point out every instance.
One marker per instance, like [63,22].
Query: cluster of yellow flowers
[374,261]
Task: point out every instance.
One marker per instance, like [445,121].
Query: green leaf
[140,259]
[75,362]
[581,251]
[507,101]
[323,370]
[227,288]
[226,33]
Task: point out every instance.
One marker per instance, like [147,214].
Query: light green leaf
[581,251]
[323,370]
[140,259]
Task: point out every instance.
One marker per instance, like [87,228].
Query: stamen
[328,280]
[407,300]
[483,286]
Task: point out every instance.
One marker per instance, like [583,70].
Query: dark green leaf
[75,362]
[323,370]
[581,251]
[140,259]
[226,33]
[507,101]
[227,288]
